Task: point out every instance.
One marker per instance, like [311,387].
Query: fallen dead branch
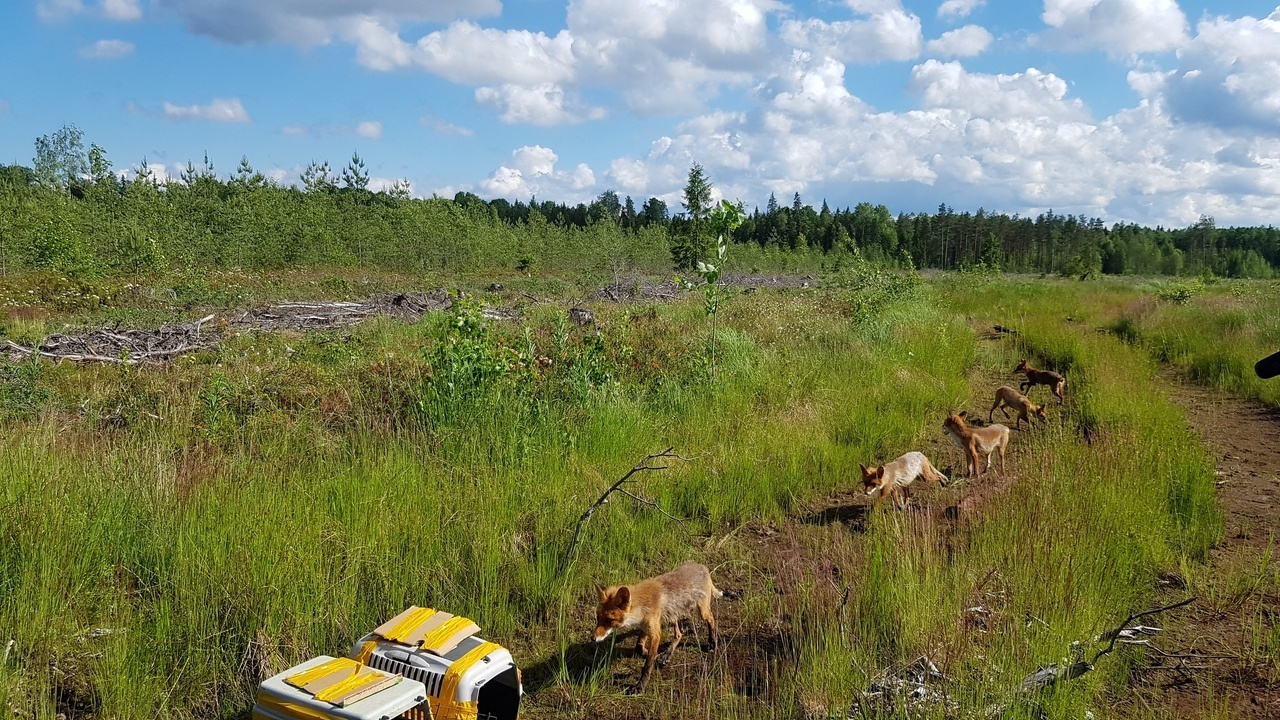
[909,689]
[121,346]
[132,346]
[642,466]
[1124,633]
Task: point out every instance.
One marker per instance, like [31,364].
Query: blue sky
[1147,111]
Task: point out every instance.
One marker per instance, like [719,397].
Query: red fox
[1007,397]
[1040,377]
[645,605]
[892,479]
[977,440]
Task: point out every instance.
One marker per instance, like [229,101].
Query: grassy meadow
[171,535]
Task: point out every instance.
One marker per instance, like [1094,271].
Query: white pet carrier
[466,678]
[326,688]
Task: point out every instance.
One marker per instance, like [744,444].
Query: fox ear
[601,589]
[963,414]
[864,468]
[622,597]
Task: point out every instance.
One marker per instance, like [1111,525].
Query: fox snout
[601,633]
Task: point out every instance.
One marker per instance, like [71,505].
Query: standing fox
[1007,397]
[977,441]
[1040,377]
[891,479]
[646,605]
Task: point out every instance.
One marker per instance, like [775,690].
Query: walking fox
[1007,397]
[976,441]
[891,479]
[1040,377]
[646,605]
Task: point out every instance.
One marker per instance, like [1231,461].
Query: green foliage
[138,252]
[333,220]
[690,245]
[867,289]
[60,158]
[723,220]
[1179,293]
[355,176]
[464,364]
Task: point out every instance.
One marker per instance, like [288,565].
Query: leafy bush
[1180,293]
[464,364]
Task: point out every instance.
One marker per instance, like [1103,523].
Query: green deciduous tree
[60,158]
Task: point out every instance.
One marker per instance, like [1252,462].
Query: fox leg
[1057,390]
[992,413]
[654,634]
[899,496]
[677,635]
[975,470]
[931,474]
[704,610]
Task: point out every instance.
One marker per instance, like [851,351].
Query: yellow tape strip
[450,706]
[366,652]
[405,627]
[306,677]
[291,710]
[436,637]
[351,685]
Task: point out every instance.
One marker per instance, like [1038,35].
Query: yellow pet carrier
[326,688]
[466,678]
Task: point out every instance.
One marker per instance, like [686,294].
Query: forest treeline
[71,212]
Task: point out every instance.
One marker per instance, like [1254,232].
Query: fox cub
[1040,377]
[646,605]
[1007,397]
[891,479]
[975,441]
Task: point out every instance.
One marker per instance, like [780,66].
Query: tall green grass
[261,504]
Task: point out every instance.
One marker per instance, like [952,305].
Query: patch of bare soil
[1243,436]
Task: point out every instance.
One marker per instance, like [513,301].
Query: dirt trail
[1245,439]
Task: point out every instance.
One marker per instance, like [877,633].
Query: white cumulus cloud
[966,41]
[221,110]
[1228,75]
[121,9]
[947,86]
[1118,27]
[532,171]
[890,33]
[955,9]
[371,129]
[107,50]
[545,104]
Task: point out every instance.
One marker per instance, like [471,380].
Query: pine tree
[354,175]
[689,247]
